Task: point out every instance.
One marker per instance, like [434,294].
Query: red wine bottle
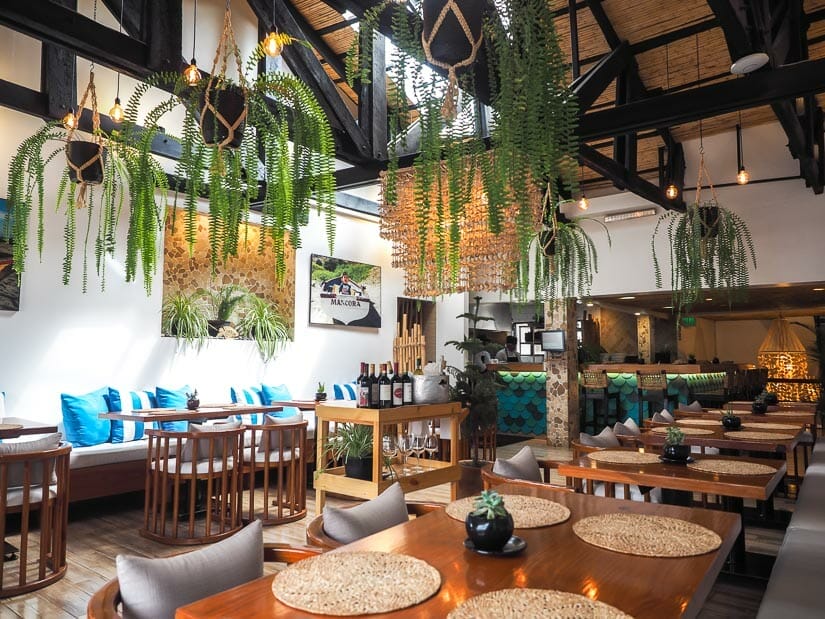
[384,389]
[373,387]
[407,388]
[364,387]
[397,387]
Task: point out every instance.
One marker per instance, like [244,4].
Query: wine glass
[389,450]
[405,444]
[418,448]
[431,445]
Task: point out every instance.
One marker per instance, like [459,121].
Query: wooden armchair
[607,489]
[491,480]
[316,536]
[106,602]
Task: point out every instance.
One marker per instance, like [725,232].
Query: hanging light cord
[698,79]
[120,31]
[194,28]
[739,140]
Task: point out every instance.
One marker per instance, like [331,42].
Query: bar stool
[595,389]
[652,387]
[34,480]
[278,450]
[193,488]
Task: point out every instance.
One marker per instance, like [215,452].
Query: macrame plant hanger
[90,91]
[448,110]
[226,47]
[702,172]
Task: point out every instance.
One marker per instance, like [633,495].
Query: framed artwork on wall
[344,293]
[9,287]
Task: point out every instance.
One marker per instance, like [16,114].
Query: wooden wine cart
[434,473]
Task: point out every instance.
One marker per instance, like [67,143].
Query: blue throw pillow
[173,398]
[344,391]
[125,431]
[250,396]
[80,417]
[278,393]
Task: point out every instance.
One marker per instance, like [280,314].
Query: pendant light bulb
[116,113]
[69,120]
[742,177]
[583,203]
[672,192]
[192,74]
[272,45]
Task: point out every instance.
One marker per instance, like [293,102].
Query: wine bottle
[397,387]
[384,389]
[418,370]
[373,387]
[364,387]
[391,369]
[407,388]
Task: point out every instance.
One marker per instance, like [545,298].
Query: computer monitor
[552,340]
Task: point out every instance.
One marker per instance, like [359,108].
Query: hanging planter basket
[709,216]
[547,239]
[223,116]
[451,37]
[86,161]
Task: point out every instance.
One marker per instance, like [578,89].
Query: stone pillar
[562,377]
[644,337]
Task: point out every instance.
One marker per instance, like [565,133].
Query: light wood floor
[100,530]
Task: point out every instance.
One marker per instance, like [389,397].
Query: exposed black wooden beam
[277,14]
[624,179]
[57,74]
[52,23]
[760,88]
[574,39]
[733,18]
[164,34]
[355,203]
[591,85]
[25,100]
[133,22]
[372,100]
[347,23]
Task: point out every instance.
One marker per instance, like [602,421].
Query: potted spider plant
[263,324]
[351,443]
[222,303]
[184,317]
[489,525]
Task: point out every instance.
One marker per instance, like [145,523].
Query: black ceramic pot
[78,153]
[213,326]
[759,407]
[548,242]
[359,468]
[771,399]
[320,397]
[230,103]
[193,403]
[732,422]
[450,44]
[710,221]
[489,534]
[676,452]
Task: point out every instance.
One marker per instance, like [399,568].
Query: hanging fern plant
[710,247]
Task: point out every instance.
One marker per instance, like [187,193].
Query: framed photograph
[9,288]
[344,293]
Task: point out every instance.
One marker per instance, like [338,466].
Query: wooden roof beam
[592,84]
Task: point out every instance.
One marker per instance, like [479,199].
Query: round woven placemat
[356,583]
[647,536]
[697,422]
[534,603]
[770,426]
[759,436]
[685,431]
[10,426]
[731,467]
[616,456]
[528,512]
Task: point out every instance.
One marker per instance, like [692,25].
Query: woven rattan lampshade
[484,261]
[785,357]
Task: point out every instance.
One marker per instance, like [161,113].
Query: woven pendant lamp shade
[784,355]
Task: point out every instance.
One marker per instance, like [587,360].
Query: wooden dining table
[783,414]
[14,427]
[217,411]
[722,438]
[678,483]
[555,558]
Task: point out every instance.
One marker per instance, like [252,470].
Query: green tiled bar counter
[522,404]
[682,381]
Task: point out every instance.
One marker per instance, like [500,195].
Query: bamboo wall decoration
[409,345]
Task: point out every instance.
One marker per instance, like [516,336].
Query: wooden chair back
[278,453]
[594,379]
[35,486]
[486,445]
[589,486]
[106,602]
[196,501]
[651,380]
[316,536]
[491,480]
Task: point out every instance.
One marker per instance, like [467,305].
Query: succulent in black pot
[770,398]
[674,448]
[731,421]
[192,400]
[759,407]
[321,393]
[489,525]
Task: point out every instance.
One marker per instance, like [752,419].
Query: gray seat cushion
[155,588]
[16,470]
[384,511]
[605,438]
[523,465]
[204,443]
[628,427]
[663,417]
[108,453]
[793,589]
[275,437]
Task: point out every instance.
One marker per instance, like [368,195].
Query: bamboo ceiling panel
[637,20]
[591,40]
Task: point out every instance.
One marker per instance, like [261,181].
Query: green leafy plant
[728,412]
[223,301]
[674,436]
[192,396]
[475,386]
[321,388]
[490,505]
[710,247]
[349,440]
[263,323]
[184,317]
